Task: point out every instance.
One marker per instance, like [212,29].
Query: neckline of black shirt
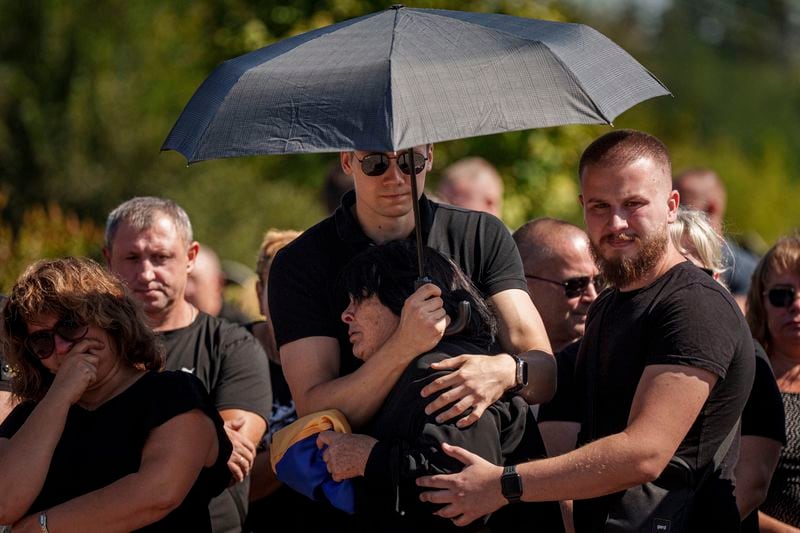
[350,231]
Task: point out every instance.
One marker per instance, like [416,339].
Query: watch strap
[511,484]
[520,374]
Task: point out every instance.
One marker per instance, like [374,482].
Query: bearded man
[663,373]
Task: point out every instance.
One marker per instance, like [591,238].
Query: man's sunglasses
[781,296]
[42,343]
[377,164]
[574,287]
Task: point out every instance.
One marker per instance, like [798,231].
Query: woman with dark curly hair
[403,441]
[101,440]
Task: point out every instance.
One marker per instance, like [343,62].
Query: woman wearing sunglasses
[773,312]
[101,441]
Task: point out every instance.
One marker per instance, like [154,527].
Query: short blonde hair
[693,227]
[274,240]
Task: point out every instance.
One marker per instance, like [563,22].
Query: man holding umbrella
[368,88]
[305,303]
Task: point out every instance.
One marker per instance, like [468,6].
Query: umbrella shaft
[415,204]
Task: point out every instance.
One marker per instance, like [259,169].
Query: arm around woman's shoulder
[173,456]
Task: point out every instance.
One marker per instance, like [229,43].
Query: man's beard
[623,271]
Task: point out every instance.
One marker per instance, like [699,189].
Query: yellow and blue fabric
[298,462]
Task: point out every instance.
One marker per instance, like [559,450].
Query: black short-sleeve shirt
[305,301]
[226,358]
[99,447]
[683,318]
[763,414]
[563,407]
[232,366]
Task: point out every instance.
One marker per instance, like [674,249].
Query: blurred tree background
[89,90]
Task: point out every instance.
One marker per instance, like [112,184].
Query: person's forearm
[748,496]
[615,463]
[25,458]
[566,515]
[520,331]
[758,457]
[360,394]
[768,524]
[127,504]
[541,377]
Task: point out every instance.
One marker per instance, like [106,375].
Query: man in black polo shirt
[305,304]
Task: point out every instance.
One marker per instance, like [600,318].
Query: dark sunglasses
[377,164]
[42,343]
[781,296]
[575,286]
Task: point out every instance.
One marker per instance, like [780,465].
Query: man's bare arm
[667,402]
[758,457]
[521,331]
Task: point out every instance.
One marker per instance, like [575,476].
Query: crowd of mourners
[641,374]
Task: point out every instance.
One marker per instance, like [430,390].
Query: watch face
[511,485]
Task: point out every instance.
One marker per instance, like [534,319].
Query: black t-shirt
[232,366]
[763,415]
[683,318]
[102,446]
[563,408]
[410,447]
[305,301]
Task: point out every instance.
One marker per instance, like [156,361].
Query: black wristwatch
[521,374]
[511,484]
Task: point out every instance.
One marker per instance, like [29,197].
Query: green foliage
[89,90]
[46,232]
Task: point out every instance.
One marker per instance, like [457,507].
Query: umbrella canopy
[405,77]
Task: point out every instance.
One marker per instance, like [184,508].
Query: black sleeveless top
[101,446]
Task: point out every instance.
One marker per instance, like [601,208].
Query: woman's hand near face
[77,371]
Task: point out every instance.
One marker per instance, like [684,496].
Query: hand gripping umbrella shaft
[458,324]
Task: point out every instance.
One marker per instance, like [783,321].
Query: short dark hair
[81,289]
[623,147]
[390,271]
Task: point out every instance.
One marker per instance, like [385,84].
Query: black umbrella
[400,78]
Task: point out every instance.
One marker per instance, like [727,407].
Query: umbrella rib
[555,56]
[580,27]
[578,83]
[389,102]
